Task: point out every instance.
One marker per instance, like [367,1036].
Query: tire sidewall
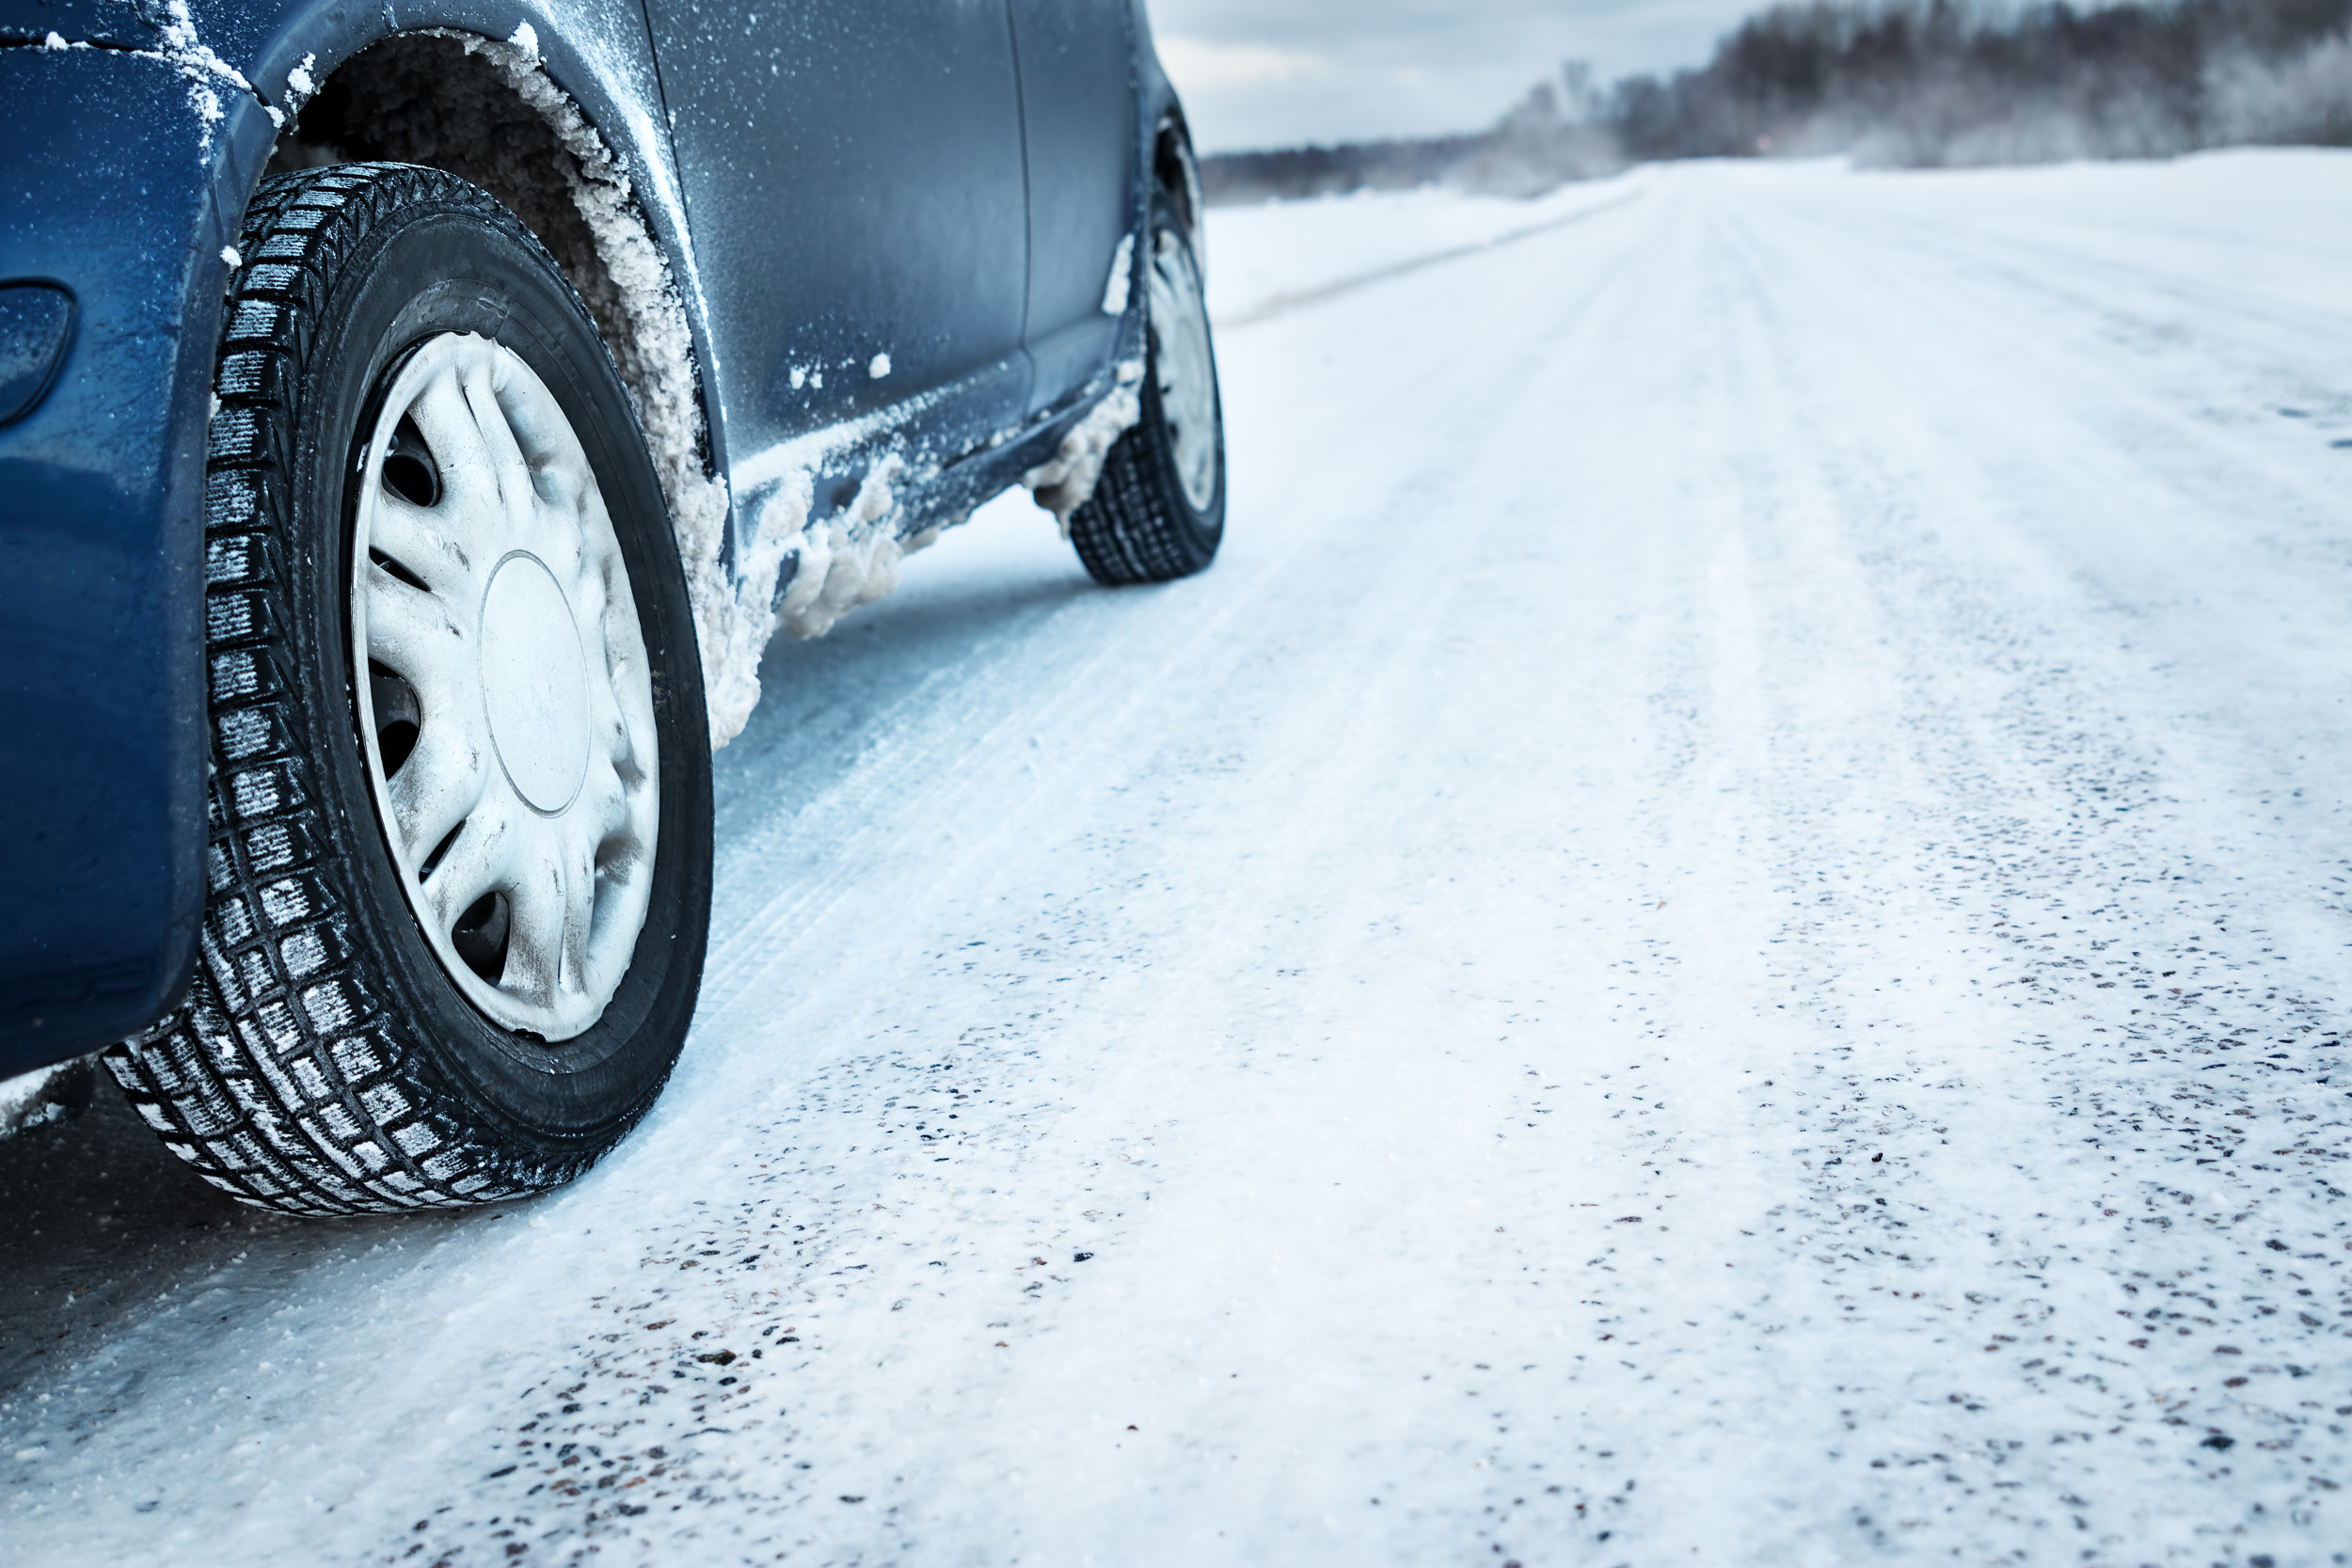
[465,265]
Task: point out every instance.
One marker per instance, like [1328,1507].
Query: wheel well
[486,112]
[430,99]
[1172,166]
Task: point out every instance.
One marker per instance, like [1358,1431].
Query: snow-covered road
[1720,937]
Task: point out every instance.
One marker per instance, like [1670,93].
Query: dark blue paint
[853,174]
[36,328]
[102,21]
[962,172]
[108,187]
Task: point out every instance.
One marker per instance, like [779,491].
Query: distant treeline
[1902,84]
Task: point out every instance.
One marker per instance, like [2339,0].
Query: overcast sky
[1277,72]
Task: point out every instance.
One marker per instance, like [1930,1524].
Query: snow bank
[44,1095]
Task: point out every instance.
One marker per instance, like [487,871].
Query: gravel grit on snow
[1721,936]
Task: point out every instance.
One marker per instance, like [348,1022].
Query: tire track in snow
[1659,667]
[1386,600]
[1299,299]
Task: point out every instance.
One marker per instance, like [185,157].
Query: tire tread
[281,1080]
[1128,531]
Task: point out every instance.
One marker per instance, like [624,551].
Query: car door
[1078,105]
[853,182]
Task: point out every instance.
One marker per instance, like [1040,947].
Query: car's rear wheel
[460,804]
[1158,510]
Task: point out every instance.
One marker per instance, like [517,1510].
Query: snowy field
[1720,937]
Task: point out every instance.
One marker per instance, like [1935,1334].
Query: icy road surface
[1720,937]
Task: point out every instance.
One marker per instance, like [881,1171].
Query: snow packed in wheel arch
[398,489]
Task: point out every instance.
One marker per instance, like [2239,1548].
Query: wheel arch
[1164,158]
[1163,136]
[1176,169]
[559,115]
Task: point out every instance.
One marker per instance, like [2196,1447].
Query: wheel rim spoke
[515,759]
[558,473]
[446,418]
[426,637]
[416,539]
[441,785]
[508,473]
[603,812]
[481,860]
[579,913]
[541,892]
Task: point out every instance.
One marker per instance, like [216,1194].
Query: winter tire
[1158,511]
[459,854]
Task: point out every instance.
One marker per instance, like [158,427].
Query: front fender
[112,186]
[126,161]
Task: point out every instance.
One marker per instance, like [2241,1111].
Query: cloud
[1279,72]
[1210,64]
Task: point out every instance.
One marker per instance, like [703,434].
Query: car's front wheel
[460,836]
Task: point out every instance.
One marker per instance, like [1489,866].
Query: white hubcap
[534,684]
[507,703]
[1179,321]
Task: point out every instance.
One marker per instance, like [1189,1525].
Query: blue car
[416,418]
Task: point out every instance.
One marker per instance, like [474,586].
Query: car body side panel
[1158,115]
[1079,108]
[854,173]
